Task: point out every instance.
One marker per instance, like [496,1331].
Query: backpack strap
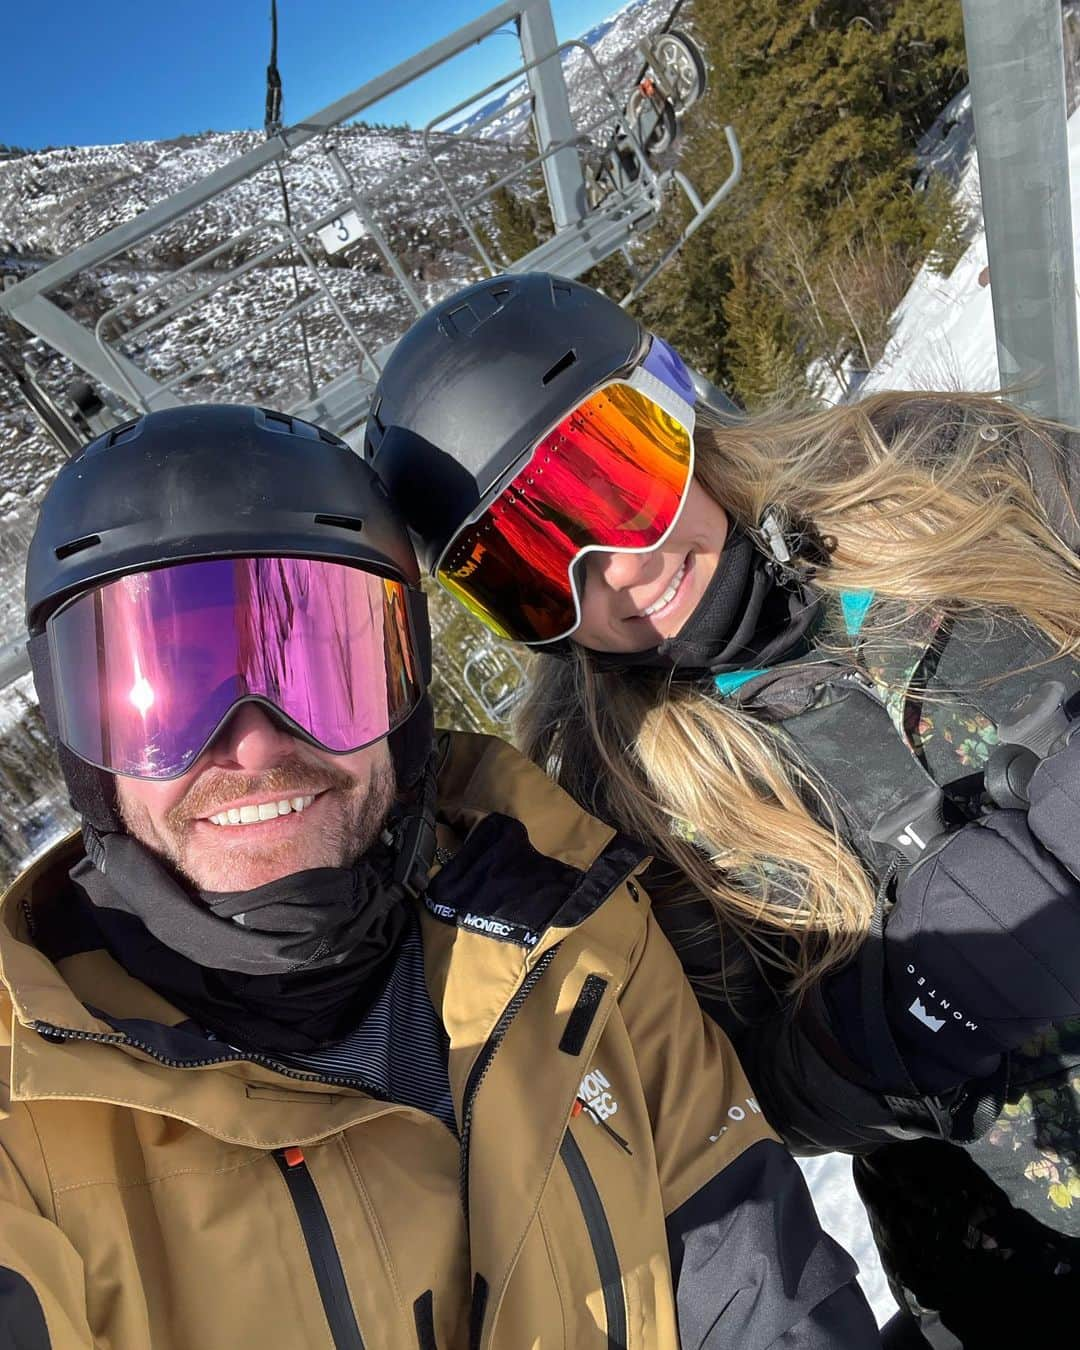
[886,802]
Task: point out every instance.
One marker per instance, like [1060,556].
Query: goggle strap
[663,396]
[415,839]
[40,654]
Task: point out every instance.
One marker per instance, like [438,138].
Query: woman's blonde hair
[926,499]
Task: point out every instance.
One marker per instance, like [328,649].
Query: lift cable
[272,126]
[273,80]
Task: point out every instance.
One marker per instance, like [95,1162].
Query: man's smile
[248,813]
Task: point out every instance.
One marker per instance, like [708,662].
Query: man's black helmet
[208,481]
[477,381]
[205,482]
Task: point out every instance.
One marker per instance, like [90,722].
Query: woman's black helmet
[477,381]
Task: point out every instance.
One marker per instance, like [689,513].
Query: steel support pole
[109,368]
[1017,73]
[563,175]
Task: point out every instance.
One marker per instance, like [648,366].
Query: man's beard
[359,814]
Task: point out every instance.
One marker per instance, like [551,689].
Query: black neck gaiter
[752,613]
[287,967]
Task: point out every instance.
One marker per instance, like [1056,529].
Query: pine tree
[513,225]
[762,350]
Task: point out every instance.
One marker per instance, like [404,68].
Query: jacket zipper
[483,1062]
[322,1250]
[55,1033]
[603,1244]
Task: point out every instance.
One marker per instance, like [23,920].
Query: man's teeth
[247,815]
[669,594]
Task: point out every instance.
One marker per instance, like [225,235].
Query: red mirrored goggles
[147,668]
[611,476]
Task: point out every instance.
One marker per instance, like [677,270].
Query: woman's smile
[632,601]
[663,606]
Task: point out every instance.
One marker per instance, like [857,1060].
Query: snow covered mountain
[54,201]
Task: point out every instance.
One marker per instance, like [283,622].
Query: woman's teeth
[248,815]
[668,596]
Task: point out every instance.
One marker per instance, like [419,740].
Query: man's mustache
[217,788]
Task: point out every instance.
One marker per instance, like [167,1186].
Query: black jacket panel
[749,1243]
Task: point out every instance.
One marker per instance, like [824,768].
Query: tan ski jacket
[611,1182]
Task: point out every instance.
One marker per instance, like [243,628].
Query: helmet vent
[563,363]
[124,433]
[77,546]
[463,319]
[342,522]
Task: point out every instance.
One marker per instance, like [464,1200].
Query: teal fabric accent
[729,682]
[855,605]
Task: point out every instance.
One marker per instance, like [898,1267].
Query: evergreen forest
[801,267]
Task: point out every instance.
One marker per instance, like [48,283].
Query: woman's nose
[619,571]
[251,740]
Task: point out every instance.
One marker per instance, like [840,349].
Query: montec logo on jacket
[736,1113]
[595,1095]
[503,929]
[917,1010]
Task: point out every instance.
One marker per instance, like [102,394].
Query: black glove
[982,947]
[1054,811]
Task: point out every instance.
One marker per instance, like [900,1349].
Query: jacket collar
[31,981]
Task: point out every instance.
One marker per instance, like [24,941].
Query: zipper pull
[293,1156]
[580,1104]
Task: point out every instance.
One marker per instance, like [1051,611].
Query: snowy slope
[612,42]
[842,1214]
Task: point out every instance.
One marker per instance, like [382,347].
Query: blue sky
[76,72]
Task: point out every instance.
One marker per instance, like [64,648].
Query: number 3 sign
[342,231]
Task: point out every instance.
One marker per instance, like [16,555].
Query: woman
[783,653]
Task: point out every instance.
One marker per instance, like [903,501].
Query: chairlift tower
[1017,72]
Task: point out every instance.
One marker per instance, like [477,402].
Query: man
[269,1084]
